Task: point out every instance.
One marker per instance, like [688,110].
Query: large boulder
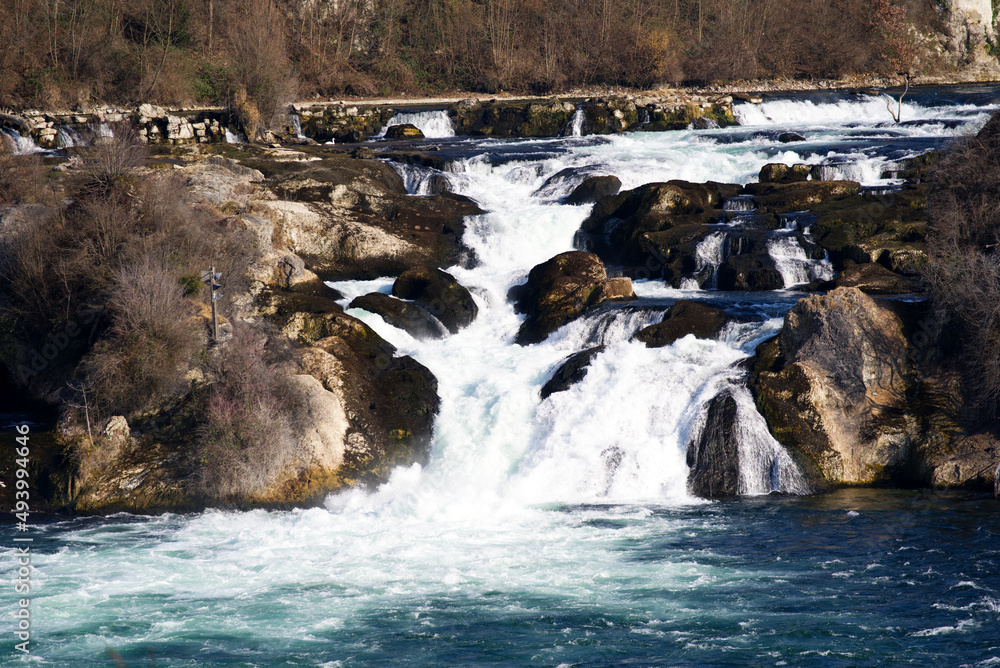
[438,292]
[684,317]
[749,272]
[409,317]
[835,389]
[713,458]
[788,196]
[557,291]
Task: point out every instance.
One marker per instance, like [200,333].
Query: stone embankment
[347,122]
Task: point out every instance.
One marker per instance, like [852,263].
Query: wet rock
[570,372]
[789,137]
[351,219]
[890,230]
[404,131]
[619,226]
[836,391]
[789,197]
[874,279]
[407,316]
[438,292]
[684,317]
[616,289]
[713,458]
[594,188]
[752,273]
[557,291]
[777,172]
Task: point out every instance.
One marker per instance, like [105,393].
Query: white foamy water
[791,261]
[434,124]
[16,143]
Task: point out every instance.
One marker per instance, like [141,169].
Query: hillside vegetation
[63,53]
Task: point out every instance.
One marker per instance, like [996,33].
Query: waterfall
[419,180]
[739,203]
[67,137]
[791,261]
[297,125]
[576,123]
[764,464]
[434,124]
[235,137]
[709,254]
[19,145]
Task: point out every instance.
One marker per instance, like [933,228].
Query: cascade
[791,261]
[434,124]
[576,123]
[709,254]
[19,144]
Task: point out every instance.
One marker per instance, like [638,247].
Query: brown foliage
[963,268]
[247,437]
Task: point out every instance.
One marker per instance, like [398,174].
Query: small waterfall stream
[434,124]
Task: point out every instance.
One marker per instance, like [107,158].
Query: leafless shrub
[22,179]
[263,79]
[150,344]
[112,162]
[247,438]
[963,267]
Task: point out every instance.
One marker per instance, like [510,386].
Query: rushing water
[560,532]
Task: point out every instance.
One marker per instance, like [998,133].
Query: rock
[837,390]
[571,371]
[777,172]
[619,227]
[439,293]
[594,188]
[684,317]
[874,279]
[557,291]
[117,430]
[969,462]
[616,289]
[363,153]
[404,131]
[753,273]
[798,196]
[714,457]
[788,137]
[704,123]
[407,316]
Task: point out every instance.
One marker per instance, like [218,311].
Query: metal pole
[215,314]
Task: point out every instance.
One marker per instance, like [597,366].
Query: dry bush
[260,64]
[22,178]
[112,163]
[247,438]
[151,342]
[963,267]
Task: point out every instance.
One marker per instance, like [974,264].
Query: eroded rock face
[558,291]
[837,389]
[684,317]
[714,457]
